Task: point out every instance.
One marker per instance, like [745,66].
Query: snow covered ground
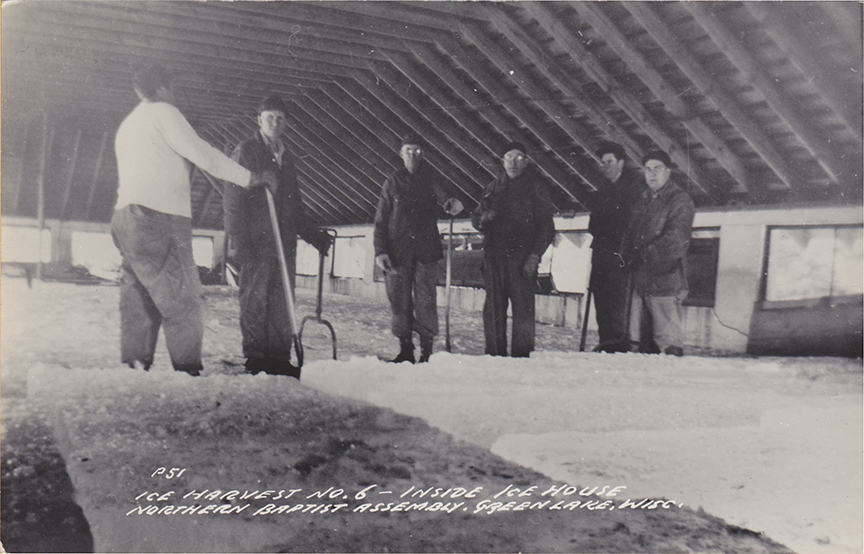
[773,444]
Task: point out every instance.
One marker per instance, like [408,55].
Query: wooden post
[96,175]
[47,139]
[73,162]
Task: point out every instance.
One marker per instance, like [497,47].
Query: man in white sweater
[152,225]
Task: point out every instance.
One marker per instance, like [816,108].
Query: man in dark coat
[655,250]
[515,217]
[264,319]
[408,247]
[611,210]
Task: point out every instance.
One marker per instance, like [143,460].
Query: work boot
[254,366]
[192,369]
[674,351]
[425,348]
[406,351]
[282,367]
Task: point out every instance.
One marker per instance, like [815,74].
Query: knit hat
[611,148]
[513,145]
[658,155]
[273,103]
[412,138]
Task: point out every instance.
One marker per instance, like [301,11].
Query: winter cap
[273,103]
[658,155]
[513,145]
[412,138]
[611,148]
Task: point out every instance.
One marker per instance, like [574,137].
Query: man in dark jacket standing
[264,320]
[611,210]
[655,250]
[515,217]
[408,247]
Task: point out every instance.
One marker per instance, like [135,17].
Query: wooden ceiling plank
[330,165]
[664,92]
[551,70]
[625,101]
[798,54]
[441,154]
[432,58]
[339,131]
[714,93]
[203,207]
[756,76]
[319,175]
[230,129]
[187,36]
[459,131]
[517,107]
[553,110]
[311,127]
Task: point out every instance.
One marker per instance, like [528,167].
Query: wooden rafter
[664,91]
[819,78]
[757,76]
[714,92]
[625,101]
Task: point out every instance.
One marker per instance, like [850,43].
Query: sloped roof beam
[442,153]
[777,30]
[713,91]
[638,64]
[623,99]
[755,75]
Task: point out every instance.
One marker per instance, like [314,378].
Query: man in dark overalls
[408,247]
[264,320]
[515,217]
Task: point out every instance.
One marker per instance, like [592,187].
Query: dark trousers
[412,292]
[609,286]
[159,285]
[506,283]
[264,320]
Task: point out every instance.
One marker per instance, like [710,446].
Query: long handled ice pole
[447,286]
[286,280]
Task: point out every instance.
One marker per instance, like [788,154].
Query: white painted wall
[743,237]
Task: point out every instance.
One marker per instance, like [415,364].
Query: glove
[487,217]
[264,178]
[529,270]
[323,241]
[383,261]
[453,207]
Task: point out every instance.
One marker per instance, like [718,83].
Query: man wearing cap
[611,210]
[152,225]
[654,251]
[408,247]
[264,320]
[515,217]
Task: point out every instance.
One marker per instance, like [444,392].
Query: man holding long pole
[408,247]
[266,322]
[611,210]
